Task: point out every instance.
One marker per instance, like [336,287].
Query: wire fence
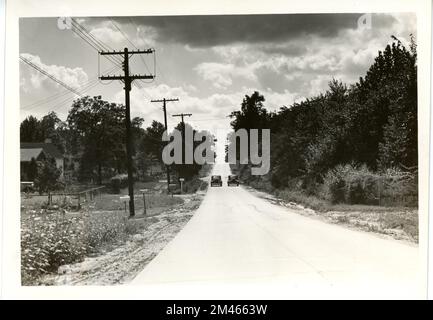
[73,199]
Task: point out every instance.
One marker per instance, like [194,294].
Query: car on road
[233,180]
[216,181]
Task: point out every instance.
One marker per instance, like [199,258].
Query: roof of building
[28,154]
[49,148]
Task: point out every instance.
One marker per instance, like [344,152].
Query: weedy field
[118,264]
[54,235]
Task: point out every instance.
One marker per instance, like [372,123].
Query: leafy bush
[191,186]
[334,183]
[47,176]
[301,198]
[399,187]
[351,184]
[118,182]
[358,185]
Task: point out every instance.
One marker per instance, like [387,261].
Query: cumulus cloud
[107,34]
[221,74]
[188,102]
[33,79]
[211,62]
[108,31]
[306,65]
[209,112]
[143,36]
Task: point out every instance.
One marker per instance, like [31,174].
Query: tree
[188,171]
[373,122]
[393,151]
[149,146]
[151,142]
[98,129]
[49,127]
[252,114]
[137,133]
[47,177]
[387,93]
[30,130]
[32,171]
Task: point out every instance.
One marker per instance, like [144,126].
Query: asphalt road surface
[237,237]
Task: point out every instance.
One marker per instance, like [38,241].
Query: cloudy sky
[208,62]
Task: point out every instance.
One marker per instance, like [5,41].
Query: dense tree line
[94,135]
[49,127]
[372,123]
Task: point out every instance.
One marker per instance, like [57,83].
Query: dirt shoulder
[119,263]
[391,222]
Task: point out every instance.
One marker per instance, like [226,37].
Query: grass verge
[398,222]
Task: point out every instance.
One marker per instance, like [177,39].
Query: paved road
[236,237]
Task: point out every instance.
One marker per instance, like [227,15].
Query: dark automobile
[233,180]
[216,181]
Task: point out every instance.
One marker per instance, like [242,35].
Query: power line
[183,115]
[69,99]
[98,42]
[141,57]
[164,107]
[95,43]
[65,92]
[210,119]
[127,39]
[34,66]
[156,67]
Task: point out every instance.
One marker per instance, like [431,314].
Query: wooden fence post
[379,189]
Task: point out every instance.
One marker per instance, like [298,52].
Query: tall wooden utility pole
[164,108]
[181,115]
[127,80]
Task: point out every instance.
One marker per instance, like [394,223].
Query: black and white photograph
[240,149]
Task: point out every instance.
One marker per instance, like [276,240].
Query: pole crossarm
[182,115]
[133,77]
[147,51]
[166,100]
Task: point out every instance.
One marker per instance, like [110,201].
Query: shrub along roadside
[399,222]
[358,185]
[195,183]
[191,186]
[345,184]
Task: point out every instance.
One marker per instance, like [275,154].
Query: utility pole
[164,108]
[127,80]
[181,115]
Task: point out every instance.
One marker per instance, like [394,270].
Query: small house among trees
[32,152]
